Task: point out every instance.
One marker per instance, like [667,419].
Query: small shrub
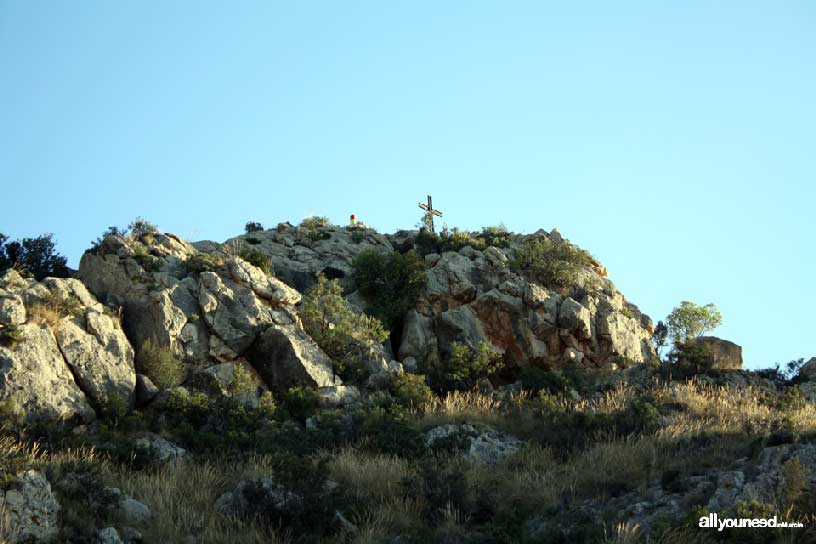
[495,236]
[242,382]
[346,336]
[315,222]
[253,226]
[141,228]
[410,391]
[11,335]
[553,263]
[300,402]
[691,358]
[202,262]
[251,240]
[160,364]
[464,367]
[390,282]
[257,258]
[795,478]
[392,435]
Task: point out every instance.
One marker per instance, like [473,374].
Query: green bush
[253,226]
[453,240]
[202,262]
[464,367]
[496,236]
[300,402]
[390,282]
[345,335]
[795,481]
[392,435]
[33,257]
[160,364]
[553,263]
[410,391]
[141,228]
[691,358]
[257,258]
[11,335]
[315,222]
[242,382]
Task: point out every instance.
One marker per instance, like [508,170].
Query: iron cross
[430,212]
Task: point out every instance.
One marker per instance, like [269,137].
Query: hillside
[318,383]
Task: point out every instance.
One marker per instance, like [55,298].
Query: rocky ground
[170,392]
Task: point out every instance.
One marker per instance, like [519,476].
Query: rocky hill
[165,355]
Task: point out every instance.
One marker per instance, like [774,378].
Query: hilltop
[332,383]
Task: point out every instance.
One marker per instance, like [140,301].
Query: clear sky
[673,140]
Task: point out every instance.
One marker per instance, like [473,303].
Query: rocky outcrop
[300,253]
[808,370]
[29,509]
[72,354]
[36,379]
[483,444]
[472,296]
[725,355]
[211,308]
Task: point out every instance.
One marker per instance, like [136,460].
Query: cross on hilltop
[430,213]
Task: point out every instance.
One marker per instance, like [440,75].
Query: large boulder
[100,356]
[285,356]
[29,509]
[808,370]
[72,355]
[35,377]
[725,355]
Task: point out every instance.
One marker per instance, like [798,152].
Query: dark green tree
[35,257]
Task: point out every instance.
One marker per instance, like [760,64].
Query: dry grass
[44,315]
[367,475]
[182,498]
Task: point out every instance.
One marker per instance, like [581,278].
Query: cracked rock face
[30,509]
[227,312]
[35,377]
[474,296]
[64,365]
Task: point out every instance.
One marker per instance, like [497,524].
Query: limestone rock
[575,318]
[726,355]
[36,378]
[162,450]
[483,445]
[99,355]
[266,287]
[30,509]
[285,356]
[146,391]
[334,396]
[251,496]
[12,309]
[808,369]
[108,535]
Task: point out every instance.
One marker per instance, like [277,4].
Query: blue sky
[673,140]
